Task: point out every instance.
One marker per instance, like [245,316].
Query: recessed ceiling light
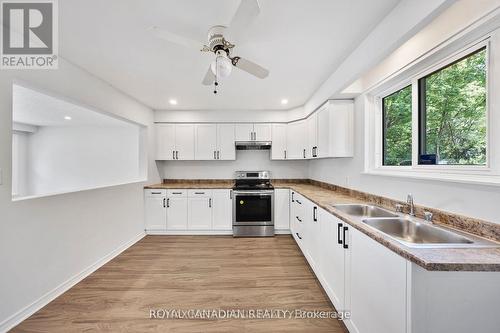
[67,118]
[173,102]
[284,101]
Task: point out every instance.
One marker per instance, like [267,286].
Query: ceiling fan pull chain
[216,76]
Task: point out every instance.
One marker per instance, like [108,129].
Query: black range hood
[253,145]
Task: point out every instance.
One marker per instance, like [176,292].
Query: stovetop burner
[252,181]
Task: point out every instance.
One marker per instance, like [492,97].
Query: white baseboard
[26,312]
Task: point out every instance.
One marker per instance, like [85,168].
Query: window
[452,113]
[396,114]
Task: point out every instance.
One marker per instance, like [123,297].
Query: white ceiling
[31,107]
[301,42]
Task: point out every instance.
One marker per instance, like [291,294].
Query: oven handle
[256,193]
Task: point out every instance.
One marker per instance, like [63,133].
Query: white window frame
[485,174]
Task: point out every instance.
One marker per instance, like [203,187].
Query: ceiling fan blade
[245,14]
[250,67]
[209,77]
[175,38]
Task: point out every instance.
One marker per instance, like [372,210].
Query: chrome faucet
[409,201]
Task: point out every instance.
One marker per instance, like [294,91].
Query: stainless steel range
[253,204]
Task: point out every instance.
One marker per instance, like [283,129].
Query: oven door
[253,208]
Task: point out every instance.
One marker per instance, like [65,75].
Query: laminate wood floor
[191,272]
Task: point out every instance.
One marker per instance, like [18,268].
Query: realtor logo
[29,34]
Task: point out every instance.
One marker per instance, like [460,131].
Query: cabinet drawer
[150,193]
[199,193]
[176,193]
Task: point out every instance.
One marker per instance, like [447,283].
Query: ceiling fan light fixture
[222,65]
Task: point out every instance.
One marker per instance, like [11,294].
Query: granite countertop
[432,259]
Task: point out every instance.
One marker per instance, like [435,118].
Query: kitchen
[356,192]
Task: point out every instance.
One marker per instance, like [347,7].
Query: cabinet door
[262,132]
[155,210]
[296,138]
[206,142]
[343,129]
[377,286]
[200,213]
[312,136]
[177,213]
[222,217]
[282,209]
[323,115]
[225,142]
[184,141]
[165,141]
[278,147]
[243,132]
[311,233]
[332,257]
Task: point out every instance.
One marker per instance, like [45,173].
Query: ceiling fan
[217,43]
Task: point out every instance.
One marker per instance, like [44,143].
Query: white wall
[44,242]
[470,200]
[63,159]
[245,160]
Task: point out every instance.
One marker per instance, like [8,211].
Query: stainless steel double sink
[412,231]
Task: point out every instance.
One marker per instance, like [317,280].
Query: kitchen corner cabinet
[175,141]
[155,209]
[278,138]
[296,140]
[253,132]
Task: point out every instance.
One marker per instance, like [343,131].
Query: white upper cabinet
[296,140]
[175,142]
[165,141]
[243,132]
[206,141]
[226,149]
[335,129]
[253,132]
[262,132]
[312,136]
[278,138]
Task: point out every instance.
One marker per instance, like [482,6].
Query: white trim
[27,311]
[190,232]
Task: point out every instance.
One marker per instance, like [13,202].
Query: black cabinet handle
[210,202]
[298,235]
[346,246]
[284,151]
[315,214]
[215,155]
[218,154]
[155,192]
[230,194]
[176,192]
[292,196]
[298,219]
[304,153]
[173,154]
[199,192]
[168,202]
[339,230]
[300,203]
[164,202]
[177,155]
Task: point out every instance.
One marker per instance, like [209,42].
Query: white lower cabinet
[155,209]
[332,258]
[281,209]
[177,209]
[200,213]
[376,288]
[222,209]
